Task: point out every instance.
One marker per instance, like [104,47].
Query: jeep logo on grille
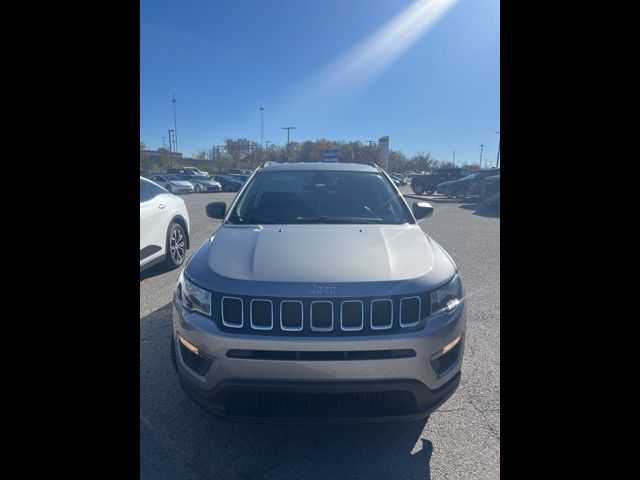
[323,290]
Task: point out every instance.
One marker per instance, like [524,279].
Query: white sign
[331,155]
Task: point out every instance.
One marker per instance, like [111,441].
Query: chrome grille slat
[403,323]
[229,322]
[384,326]
[355,327]
[254,324]
[321,329]
[282,322]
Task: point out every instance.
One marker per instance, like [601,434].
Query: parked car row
[468,186]
[458,183]
[192,180]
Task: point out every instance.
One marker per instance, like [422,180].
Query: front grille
[324,318]
[319,405]
[310,356]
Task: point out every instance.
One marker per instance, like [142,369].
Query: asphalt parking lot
[460,440]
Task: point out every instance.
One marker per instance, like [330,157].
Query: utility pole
[288,129]
[370,142]
[481,147]
[454,158]
[261,127]
[175,128]
[163,144]
[170,150]
[498,156]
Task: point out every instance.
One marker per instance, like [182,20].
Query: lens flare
[375,54]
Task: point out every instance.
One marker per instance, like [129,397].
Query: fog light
[449,346]
[189,346]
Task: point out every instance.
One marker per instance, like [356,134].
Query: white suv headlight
[447,297]
[194,298]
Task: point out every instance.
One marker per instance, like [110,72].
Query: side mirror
[216,210]
[422,210]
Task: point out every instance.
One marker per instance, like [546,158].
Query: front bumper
[304,390]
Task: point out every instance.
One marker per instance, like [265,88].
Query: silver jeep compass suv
[319,297]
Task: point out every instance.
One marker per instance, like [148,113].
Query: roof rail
[374,164]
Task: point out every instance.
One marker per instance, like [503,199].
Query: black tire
[176,248]
[198,188]
[430,191]
[418,189]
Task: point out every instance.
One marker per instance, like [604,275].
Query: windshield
[333,197]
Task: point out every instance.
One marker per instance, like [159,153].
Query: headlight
[194,298]
[448,297]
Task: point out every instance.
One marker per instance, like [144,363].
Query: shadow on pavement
[179,440]
[154,271]
[483,209]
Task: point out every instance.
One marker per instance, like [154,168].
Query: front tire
[198,188]
[176,248]
[418,189]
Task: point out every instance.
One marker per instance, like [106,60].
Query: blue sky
[431,82]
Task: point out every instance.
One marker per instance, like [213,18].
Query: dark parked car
[241,177]
[399,178]
[427,184]
[469,186]
[229,184]
[491,190]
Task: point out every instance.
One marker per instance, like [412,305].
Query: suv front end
[272,322]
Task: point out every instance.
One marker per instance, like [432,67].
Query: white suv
[164,226]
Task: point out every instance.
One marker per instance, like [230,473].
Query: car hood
[294,259]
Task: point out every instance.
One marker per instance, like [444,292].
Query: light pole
[288,129]
[454,158]
[170,148]
[261,127]
[175,128]
[481,147]
[498,156]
